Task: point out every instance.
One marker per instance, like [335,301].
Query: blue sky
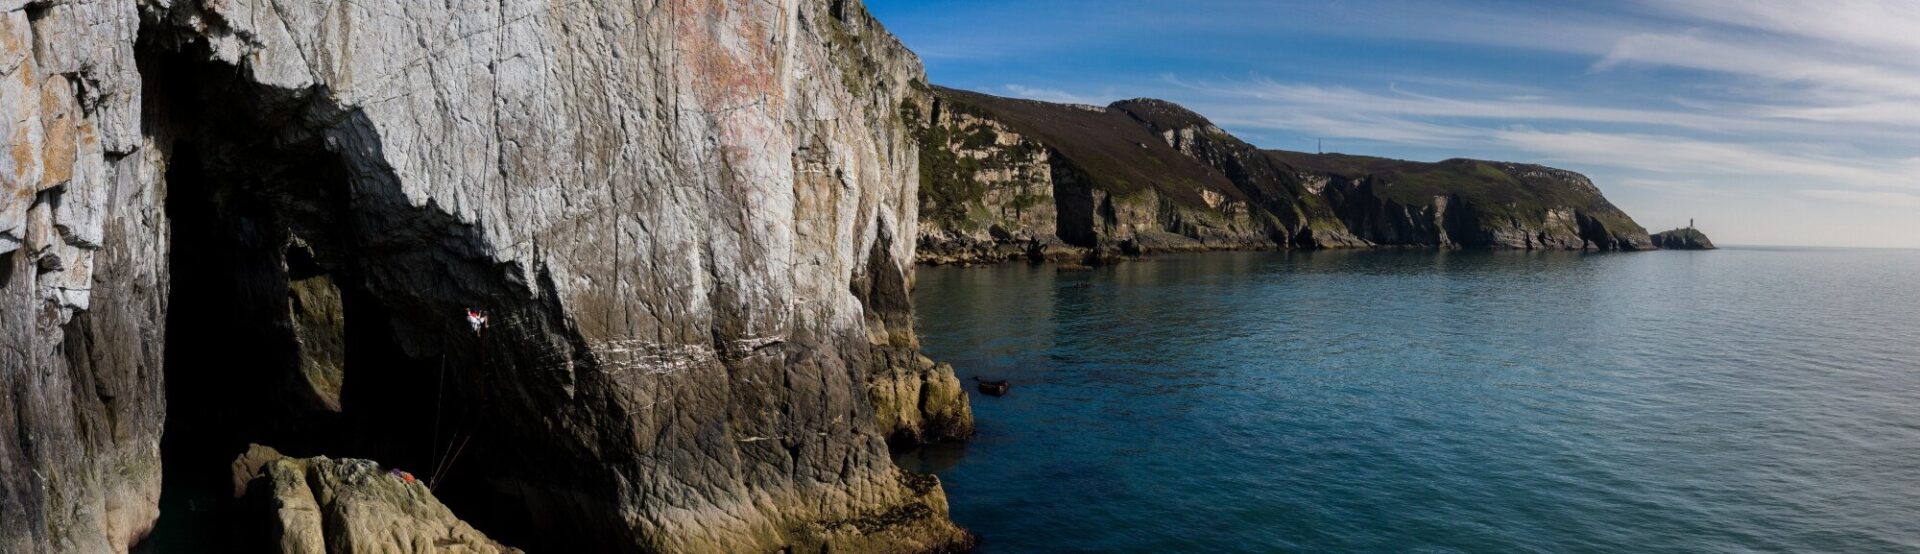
[1786,122]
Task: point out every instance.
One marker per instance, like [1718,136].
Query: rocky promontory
[1005,178]
[1685,238]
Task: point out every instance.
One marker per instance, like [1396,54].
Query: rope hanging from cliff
[446,464]
[444,457]
[439,400]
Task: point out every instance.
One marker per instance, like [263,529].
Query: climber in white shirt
[476,319]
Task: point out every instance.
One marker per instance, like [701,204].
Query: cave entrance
[284,327]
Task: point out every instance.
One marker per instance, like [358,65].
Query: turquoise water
[1741,400]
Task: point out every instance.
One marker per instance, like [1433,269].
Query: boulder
[993,388]
[319,505]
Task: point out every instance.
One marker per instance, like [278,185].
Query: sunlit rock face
[690,223]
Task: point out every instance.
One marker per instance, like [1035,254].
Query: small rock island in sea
[1686,238]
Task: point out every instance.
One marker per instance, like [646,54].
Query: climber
[476,319]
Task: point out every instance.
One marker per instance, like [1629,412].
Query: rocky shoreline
[1008,179]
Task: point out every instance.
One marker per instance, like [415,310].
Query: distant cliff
[1004,178]
[1686,238]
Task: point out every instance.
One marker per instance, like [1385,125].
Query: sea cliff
[689,223]
[1006,178]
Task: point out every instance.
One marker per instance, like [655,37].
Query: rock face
[1685,238]
[691,222]
[986,192]
[82,282]
[1147,175]
[1005,178]
[320,505]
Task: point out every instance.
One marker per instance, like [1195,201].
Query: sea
[1747,399]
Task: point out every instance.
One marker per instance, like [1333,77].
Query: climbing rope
[439,400]
[445,457]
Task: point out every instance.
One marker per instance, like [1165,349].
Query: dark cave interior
[276,334]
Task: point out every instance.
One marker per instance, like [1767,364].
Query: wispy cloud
[1351,126]
[1498,123]
[1851,61]
[1870,198]
[1821,105]
[1903,115]
[1682,187]
[1880,25]
[1771,61]
[1402,102]
[1049,95]
[1679,155]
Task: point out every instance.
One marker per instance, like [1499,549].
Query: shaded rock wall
[691,222]
[82,282]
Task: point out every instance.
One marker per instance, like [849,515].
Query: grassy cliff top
[1113,149]
[1162,114]
[1118,147]
[1506,189]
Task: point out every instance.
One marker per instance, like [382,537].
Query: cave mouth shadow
[317,314]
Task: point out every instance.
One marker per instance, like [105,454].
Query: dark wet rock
[1686,238]
[993,388]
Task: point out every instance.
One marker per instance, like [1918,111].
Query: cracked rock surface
[692,222]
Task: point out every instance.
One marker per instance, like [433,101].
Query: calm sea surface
[1740,400]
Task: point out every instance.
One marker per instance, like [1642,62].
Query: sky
[1770,122]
